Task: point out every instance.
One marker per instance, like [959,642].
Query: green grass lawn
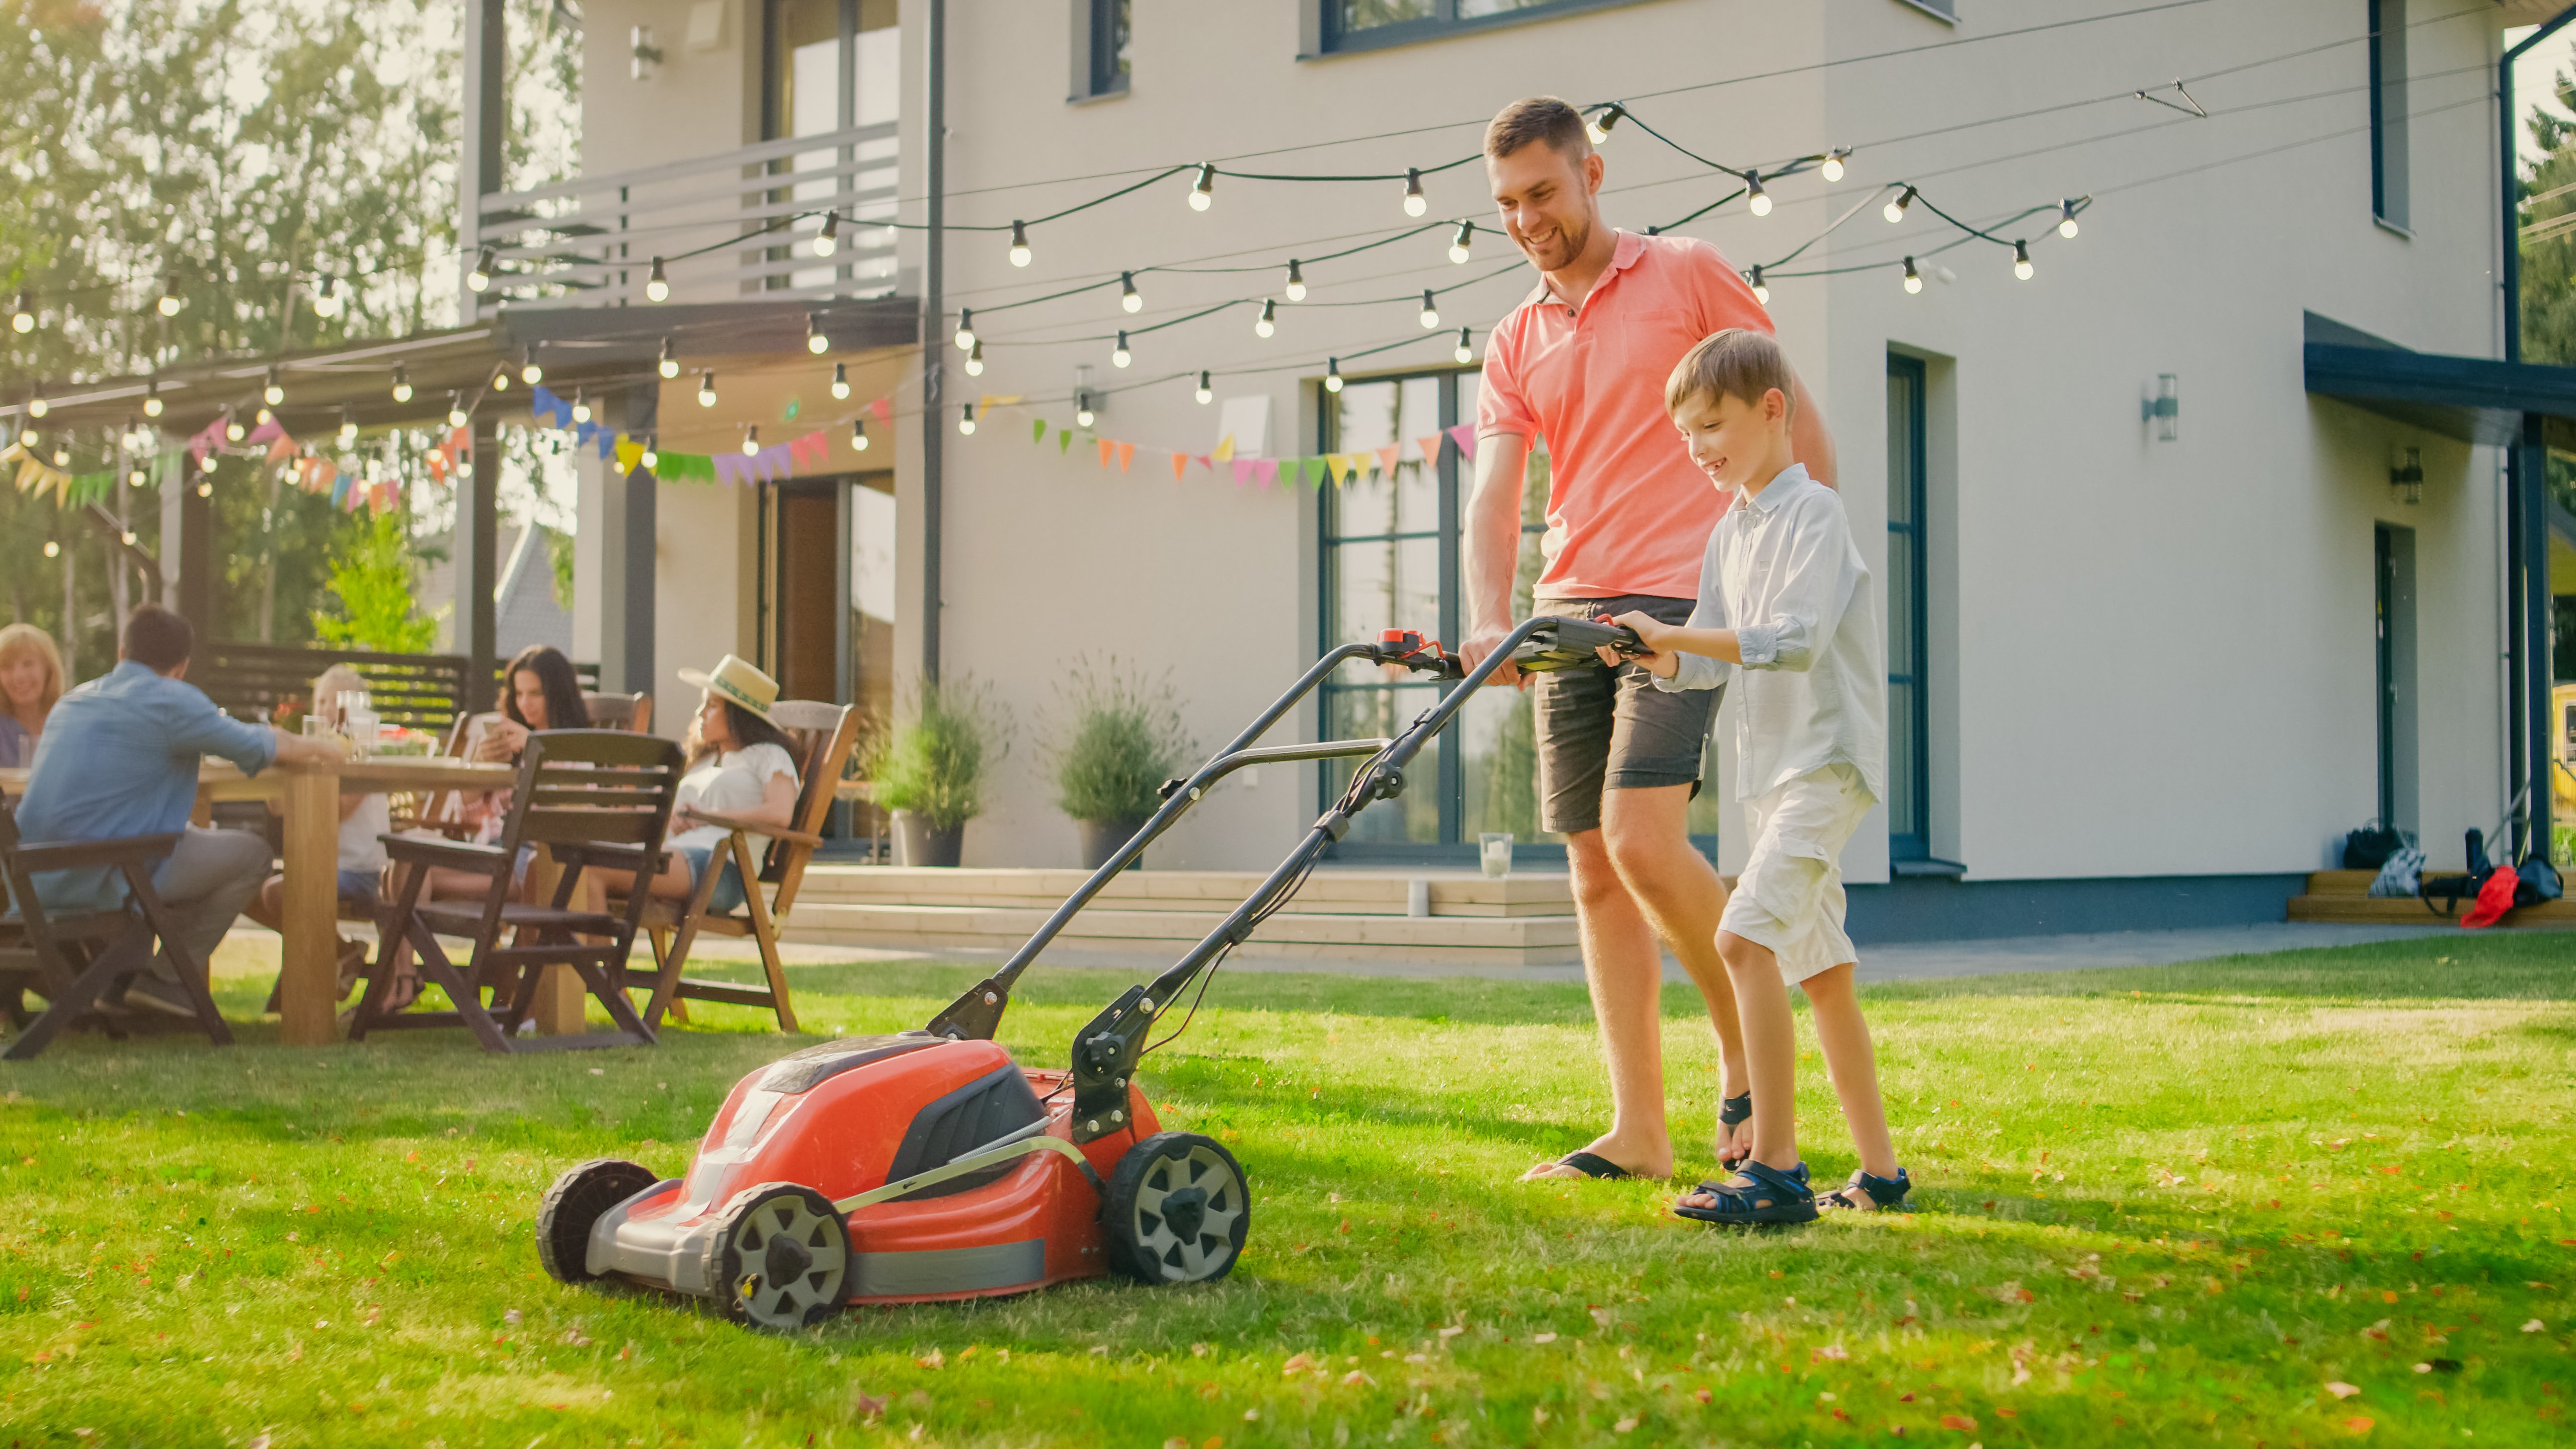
[2305,1199]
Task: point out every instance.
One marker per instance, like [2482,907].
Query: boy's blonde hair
[1738,363]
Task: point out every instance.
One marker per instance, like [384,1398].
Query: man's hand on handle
[1480,646]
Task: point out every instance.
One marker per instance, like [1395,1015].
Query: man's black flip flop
[1592,1164]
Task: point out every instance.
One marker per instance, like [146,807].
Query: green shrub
[1121,739]
[371,583]
[935,762]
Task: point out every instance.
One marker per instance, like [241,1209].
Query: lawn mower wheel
[574,1203]
[782,1258]
[1176,1210]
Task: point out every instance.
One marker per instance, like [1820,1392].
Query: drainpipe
[2527,479]
[934,361]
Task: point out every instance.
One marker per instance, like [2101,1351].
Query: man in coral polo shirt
[1582,363]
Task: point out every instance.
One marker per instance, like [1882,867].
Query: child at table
[365,818]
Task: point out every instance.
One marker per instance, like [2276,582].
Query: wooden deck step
[2343,897]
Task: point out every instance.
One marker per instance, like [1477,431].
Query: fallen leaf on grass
[2357,1424]
[1701,1394]
[1551,1338]
[2343,1390]
[1297,1364]
[1627,1425]
[933,1359]
[1357,1378]
[1831,1350]
[2535,1326]
[1960,1422]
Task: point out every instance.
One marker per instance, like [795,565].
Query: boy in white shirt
[1784,597]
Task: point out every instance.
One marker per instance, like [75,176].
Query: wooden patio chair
[72,960]
[589,797]
[823,735]
[632,713]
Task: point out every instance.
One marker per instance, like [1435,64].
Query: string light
[1430,311]
[62,456]
[859,434]
[815,342]
[1761,288]
[1894,211]
[1466,350]
[136,479]
[1332,374]
[975,359]
[667,365]
[840,382]
[23,320]
[233,430]
[750,439]
[169,303]
[206,464]
[1119,356]
[966,420]
[53,549]
[480,279]
[1203,190]
[348,428]
[1599,127]
[264,417]
[1019,244]
[1458,244]
[965,328]
[581,407]
[706,389]
[1415,203]
[1084,415]
[501,379]
[529,372]
[26,437]
[1128,299]
[2066,220]
[657,287]
[37,407]
[2021,260]
[652,458]
[1758,201]
[1833,167]
[1296,282]
[1268,321]
[828,239]
[1206,392]
[402,389]
[1913,279]
[455,410]
[326,298]
[152,397]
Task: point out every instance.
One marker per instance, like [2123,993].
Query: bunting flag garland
[1430,447]
[1343,469]
[1464,435]
[1180,464]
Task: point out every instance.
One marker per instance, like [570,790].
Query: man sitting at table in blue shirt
[119,757]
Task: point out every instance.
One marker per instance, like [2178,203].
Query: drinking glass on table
[1494,849]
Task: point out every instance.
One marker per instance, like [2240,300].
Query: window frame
[1911,840]
[1094,52]
[1323,37]
[2390,150]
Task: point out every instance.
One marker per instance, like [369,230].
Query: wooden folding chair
[632,713]
[824,733]
[72,960]
[589,797]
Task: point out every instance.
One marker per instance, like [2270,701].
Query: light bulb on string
[859,434]
[348,428]
[1128,300]
[1466,349]
[233,430]
[169,303]
[1458,244]
[2021,260]
[815,342]
[1430,311]
[206,464]
[1203,190]
[326,297]
[480,279]
[53,549]
[275,392]
[264,417]
[152,398]
[2066,220]
[706,389]
[1296,282]
[1119,356]
[666,364]
[581,407]
[1268,321]
[828,240]
[23,320]
[657,287]
[652,457]
[135,478]
[1084,415]
[37,407]
[1894,211]
[26,437]
[966,419]
[1598,128]
[975,359]
[750,439]
[1332,374]
[402,388]
[1761,288]
[1415,203]
[1757,201]
[1206,392]
[965,328]
[1913,278]
[1833,167]
[1019,244]
[500,379]
[62,456]
[455,410]
[840,382]
[529,372]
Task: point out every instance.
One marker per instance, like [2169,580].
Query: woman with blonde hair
[31,679]
[364,821]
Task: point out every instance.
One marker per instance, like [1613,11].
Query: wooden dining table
[307,796]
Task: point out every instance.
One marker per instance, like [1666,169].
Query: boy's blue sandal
[1883,1194]
[1732,1111]
[1756,1196]
[1592,1164]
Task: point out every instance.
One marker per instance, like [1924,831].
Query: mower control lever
[1104,1057]
[1407,647]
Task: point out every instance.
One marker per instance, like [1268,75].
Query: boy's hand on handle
[1479,646]
[1650,631]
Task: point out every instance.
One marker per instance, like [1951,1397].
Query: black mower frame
[1106,1050]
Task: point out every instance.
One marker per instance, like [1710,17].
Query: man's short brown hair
[1539,118]
[1739,363]
[158,639]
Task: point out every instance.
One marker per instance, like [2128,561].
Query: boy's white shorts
[1790,896]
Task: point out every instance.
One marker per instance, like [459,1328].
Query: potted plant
[930,770]
[1121,739]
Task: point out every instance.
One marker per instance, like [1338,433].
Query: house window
[1389,554]
[1944,9]
[829,66]
[1100,32]
[1909,749]
[2388,111]
[1369,24]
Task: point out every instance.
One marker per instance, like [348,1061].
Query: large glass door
[831,65]
[1909,750]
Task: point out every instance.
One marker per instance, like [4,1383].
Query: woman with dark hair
[741,770]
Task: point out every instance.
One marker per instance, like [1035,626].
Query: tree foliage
[371,582]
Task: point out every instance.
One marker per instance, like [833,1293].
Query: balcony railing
[750,217]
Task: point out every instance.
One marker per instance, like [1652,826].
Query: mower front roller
[573,1204]
[1176,1210]
[781,1258]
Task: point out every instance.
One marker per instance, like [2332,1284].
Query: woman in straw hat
[739,767]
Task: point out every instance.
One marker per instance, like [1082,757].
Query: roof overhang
[2473,399]
[598,349]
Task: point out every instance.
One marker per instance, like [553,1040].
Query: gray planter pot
[1101,839]
[918,842]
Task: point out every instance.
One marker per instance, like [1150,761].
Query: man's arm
[1810,441]
[1491,558]
[309,749]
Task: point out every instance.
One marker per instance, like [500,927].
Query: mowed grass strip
[2304,1199]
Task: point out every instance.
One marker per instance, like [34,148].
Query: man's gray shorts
[1602,729]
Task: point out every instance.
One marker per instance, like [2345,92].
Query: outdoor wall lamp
[642,53]
[2406,473]
[2163,407]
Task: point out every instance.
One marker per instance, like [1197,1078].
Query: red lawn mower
[928,1166]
